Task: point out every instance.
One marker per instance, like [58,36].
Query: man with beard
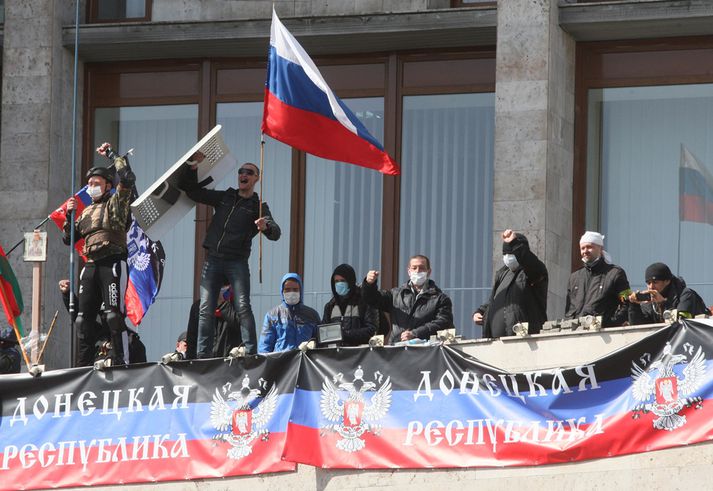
[600,288]
[664,292]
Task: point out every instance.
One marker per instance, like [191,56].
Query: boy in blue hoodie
[291,322]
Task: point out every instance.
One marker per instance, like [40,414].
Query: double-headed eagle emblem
[663,393]
[358,413]
[239,422]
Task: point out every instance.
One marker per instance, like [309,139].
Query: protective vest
[95,226]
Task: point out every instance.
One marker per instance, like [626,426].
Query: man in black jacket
[519,291]
[665,292]
[348,307]
[600,288]
[236,221]
[418,308]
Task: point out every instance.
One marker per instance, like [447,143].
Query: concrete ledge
[451,28]
[636,19]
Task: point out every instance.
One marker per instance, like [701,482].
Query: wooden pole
[47,338]
[36,310]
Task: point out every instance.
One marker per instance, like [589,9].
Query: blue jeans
[216,273]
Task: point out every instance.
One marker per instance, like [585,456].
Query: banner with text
[436,407]
[147,422]
[394,407]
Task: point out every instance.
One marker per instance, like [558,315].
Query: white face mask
[419,278]
[511,262]
[94,192]
[292,298]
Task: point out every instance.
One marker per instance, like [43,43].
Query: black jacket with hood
[358,320]
[678,296]
[519,296]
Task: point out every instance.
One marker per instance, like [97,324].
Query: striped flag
[695,190]
[59,216]
[302,111]
[10,295]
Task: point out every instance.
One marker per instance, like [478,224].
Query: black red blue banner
[360,408]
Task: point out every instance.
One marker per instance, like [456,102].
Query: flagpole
[74,183]
[13,323]
[262,176]
[49,331]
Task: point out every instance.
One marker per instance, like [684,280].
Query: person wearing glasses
[236,221]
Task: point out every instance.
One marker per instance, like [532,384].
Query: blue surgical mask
[342,288]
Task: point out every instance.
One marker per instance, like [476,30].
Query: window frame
[93,11]
[611,64]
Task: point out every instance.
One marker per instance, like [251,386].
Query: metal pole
[74,180]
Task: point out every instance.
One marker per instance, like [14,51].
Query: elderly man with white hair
[598,288]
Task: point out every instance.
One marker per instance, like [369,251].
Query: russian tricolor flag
[696,190]
[59,216]
[302,111]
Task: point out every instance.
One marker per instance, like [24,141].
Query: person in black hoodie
[519,291]
[359,321]
[666,292]
[237,219]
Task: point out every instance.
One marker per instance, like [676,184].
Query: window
[159,136]
[645,120]
[119,10]
[343,213]
[447,194]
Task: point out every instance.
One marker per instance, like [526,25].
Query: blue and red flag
[696,190]
[145,262]
[59,216]
[302,111]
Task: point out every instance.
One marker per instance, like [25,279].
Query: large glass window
[241,132]
[446,195]
[159,136]
[342,213]
[649,190]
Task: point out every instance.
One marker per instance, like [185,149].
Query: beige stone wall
[534,120]
[213,10]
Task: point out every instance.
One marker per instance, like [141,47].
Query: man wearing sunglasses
[236,221]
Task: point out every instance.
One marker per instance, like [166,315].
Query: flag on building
[145,263]
[302,111]
[59,216]
[695,190]
[10,295]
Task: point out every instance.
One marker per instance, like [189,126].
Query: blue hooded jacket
[286,326]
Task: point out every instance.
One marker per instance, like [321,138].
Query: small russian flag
[59,216]
[302,111]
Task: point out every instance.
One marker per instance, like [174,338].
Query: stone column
[534,134]
[35,147]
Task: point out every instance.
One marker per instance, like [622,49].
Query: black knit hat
[508,247]
[657,271]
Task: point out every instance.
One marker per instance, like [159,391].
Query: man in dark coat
[519,291]
[347,306]
[666,292]
[238,217]
[600,288]
[418,308]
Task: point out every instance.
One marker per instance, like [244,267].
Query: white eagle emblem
[137,244]
[237,422]
[663,392]
[355,415]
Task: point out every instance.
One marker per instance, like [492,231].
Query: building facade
[547,116]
